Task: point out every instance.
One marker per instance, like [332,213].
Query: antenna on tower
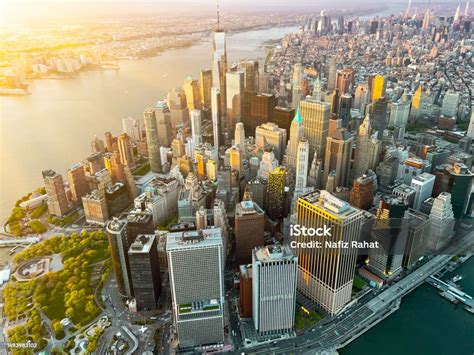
[218,29]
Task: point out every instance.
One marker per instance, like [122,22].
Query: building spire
[218,21]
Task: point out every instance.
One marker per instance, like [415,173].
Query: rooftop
[142,244]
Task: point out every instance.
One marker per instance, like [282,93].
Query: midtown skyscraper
[316,124]
[151,132]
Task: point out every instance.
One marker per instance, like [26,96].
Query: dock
[452,293]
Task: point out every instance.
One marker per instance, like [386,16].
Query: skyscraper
[344,80]
[193,93]
[196,127]
[338,156]
[260,109]
[145,271]
[362,192]
[58,204]
[276,201]
[132,127]
[239,136]
[416,227]
[316,123]
[378,87]
[361,97]
[236,159]
[302,164]
[296,134]
[77,183]
[296,85]
[151,131]
[450,104]
[178,106]
[219,64]
[119,242]
[274,274]
[250,69]
[216,117]
[325,274]
[126,150]
[249,228]
[423,185]
[378,115]
[196,269]
[367,151]
[270,134]
[441,222]
[206,86]
[235,98]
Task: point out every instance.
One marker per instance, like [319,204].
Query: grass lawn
[359,283]
[141,170]
[305,318]
[37,226]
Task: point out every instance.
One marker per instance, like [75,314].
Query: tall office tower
[450,104]
[423,185]
[459,185]
[378,115]
[216,117]
[441,222]
[399,113]
[270,134]
[470,129]
[283,117]
[196,127]
[114,166]
[193,94]
[361,97]
[249,228]
[132,127]
[457,13]
[126,150]
[302,165]
[325,275]
[58,204]
[362,193]
[145,272]
[344,110]
[153,144]
[334,101]
[426,19]
[316,123]
[245,291]
[296,85]
[96,162]
[331,82]
[259,109]
[235,98]
[317,89]
[315,172]
[250,69]
[276,201]
[77,183]
[378,87]
[239,136]
[178,106]
[338,156]
[267,164]
[407,12]
[163,122]
[367,151]
[119,242]
[196,269]
[206,86]
[236,159]
[219,65]
[296,134]
[274,274]
[109,141]
[416,227]
[344,80]
[97,145]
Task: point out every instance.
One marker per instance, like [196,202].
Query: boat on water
[456,278]
[469,309]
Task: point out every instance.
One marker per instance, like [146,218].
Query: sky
[12,11]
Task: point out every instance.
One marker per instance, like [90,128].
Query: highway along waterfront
[425,324]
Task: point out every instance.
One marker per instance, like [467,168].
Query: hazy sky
[12,11]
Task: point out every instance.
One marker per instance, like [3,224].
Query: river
[53,127]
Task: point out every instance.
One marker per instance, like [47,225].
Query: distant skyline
[31,11]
